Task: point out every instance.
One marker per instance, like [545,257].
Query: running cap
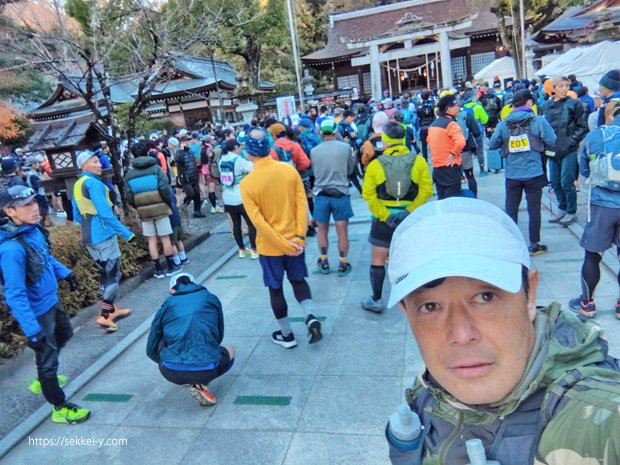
[456,237]
[328,126]
[83,156]
[16,196]
[174,280]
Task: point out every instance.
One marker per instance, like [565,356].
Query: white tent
[587,63]
[503,67]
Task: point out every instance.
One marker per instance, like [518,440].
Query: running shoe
[537,249]
[288,342]
[244,253]
[202,395]
[344,269]
[372,305]
[587,309]
[70,414]
[254,254]
[323,265]
[314,329]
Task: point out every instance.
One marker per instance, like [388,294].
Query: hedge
[68,249]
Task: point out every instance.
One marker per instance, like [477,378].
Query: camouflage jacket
[564,410]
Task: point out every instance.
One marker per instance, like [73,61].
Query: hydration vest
[84,204]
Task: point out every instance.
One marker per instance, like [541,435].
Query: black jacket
[186,164]
[569,122]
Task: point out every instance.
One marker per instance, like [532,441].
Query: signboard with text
[286,106]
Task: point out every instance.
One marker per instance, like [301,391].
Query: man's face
[454,110]
[604,91]
[92,165]
[561,89]
[474,338]
[25,214]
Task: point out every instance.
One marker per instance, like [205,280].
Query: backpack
[398,184]
[461,119]
[214,159]
[605,168]
[489,103]
[309,140]
[363,125]
[35,262]
[521,139]
[285,156]
[227,173]
[426,114]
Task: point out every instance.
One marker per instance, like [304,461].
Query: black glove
[396,218]
[73,285]
[37,342]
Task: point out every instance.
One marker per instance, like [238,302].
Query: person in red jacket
[446,141]
[286,150]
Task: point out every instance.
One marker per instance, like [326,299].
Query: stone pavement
[322,404]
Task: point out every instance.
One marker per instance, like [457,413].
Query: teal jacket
[187,330]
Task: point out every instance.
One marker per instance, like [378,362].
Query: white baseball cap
[456,237]
[175,278]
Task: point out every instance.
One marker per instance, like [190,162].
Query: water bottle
[404,431]
[476,453]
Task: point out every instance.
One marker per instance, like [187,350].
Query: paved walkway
[322,404]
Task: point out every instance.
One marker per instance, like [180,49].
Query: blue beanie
[257,145]
[8,165]
[611,80]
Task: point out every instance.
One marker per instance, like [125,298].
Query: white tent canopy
[503,67]
[587,63]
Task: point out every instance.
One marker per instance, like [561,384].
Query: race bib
[520,143]
[227,178]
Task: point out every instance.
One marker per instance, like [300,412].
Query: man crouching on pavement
[534,385]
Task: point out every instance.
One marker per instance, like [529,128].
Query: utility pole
[521,10]
[291,24]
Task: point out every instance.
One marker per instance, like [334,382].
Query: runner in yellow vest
[92,208]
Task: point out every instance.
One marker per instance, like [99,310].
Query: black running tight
[278,302]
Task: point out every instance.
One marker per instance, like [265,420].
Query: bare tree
[117,42]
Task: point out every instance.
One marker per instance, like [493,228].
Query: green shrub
[68,249]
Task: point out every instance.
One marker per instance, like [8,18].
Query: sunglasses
[20,192]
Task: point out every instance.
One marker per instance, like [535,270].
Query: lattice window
[351,80]
[480,60]
[367,83]
[459,67]
[62,160]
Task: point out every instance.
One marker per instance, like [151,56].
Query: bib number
[227,178]
[518,144]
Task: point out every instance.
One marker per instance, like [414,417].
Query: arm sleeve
[162,184]
[548,134]
[13,264]
[155,336]
[77,216]
[584,158]
[496,139]
[246,166]
[481,114]
[455,133]
[60,270]
[300,159]
[259,222]
[369,190]
[421,175]
[580,124]
[105,212]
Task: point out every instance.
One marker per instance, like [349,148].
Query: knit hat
[174,142]
[306,122]
[82,157]
[611,80]
[521,97]
[555,80]
[8,165]
[257,142]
